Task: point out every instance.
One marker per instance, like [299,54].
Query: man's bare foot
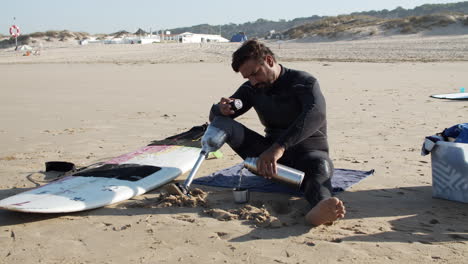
[326,211]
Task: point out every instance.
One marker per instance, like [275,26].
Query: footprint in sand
[185,218]
[222,235]
[124,227]
[259,216]
[220,214]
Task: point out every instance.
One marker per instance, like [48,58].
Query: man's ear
[269,60]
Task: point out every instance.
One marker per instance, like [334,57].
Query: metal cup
[241,195]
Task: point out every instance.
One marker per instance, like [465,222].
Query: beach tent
[25,48]
[188,37]
[239,37]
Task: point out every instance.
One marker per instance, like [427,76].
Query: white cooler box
[450,171]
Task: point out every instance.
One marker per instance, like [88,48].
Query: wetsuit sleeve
[311,118]
[243,94]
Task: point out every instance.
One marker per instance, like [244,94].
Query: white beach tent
[188,37]
[25,48]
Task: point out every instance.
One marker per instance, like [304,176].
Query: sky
[108,16]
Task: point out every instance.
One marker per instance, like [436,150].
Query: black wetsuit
[293,111]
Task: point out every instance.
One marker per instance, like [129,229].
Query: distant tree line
[427,9]
[262,28]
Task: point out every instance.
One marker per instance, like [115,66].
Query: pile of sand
[197,198]
[259,216]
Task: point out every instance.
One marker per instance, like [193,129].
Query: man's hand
[225,107]
[266,163]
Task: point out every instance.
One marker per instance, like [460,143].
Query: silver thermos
[285,174]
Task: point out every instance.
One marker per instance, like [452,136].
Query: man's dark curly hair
[251,49]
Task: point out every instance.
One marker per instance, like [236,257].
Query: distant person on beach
[291,107]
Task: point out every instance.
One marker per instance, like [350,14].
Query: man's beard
[268,83]
[263,85]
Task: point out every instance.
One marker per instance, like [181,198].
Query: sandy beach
[86,104]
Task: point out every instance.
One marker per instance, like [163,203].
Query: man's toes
[327,211]
[340,204]
[341,211]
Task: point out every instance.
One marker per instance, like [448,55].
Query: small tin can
[241,195]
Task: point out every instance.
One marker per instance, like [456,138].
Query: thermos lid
[236,104]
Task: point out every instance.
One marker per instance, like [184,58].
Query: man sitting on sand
[291,106]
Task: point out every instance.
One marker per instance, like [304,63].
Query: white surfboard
[451,96]
[78,193]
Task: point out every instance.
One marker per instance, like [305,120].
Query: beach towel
[229,178]
[457,133]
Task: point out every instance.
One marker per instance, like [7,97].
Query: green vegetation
[48,36]
[10,42]
[415,24]
[63,35]
[427,9]
[140,32]
[353,24]
[262,27]
[331,26]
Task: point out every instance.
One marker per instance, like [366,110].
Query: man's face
[260,75]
